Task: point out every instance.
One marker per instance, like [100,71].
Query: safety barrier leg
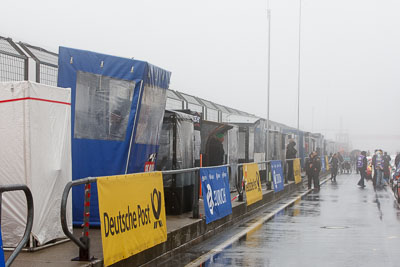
[83,242]
[286,172]
[196,211]
[269,182]
[29,220]
[84,253]
[240,185]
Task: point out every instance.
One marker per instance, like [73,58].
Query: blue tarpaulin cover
[2,262]
[117,109]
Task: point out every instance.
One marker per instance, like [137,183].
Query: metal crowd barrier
[239,178]
[286,168]
[84,241]
[29,223]
[240,185]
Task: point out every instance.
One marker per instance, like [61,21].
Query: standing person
[341,160]
[216,150]
[356,161]
[397,160]
[334,167]
[373,161]
[362,167]
[379,168]
[291,154]
[308,166]
[315,168]
[386,164]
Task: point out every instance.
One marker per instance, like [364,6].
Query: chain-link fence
[13,62]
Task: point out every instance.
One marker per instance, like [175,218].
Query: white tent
[35,136]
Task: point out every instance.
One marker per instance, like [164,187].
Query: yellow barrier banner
[327,163]
[251,176]
[132,214]
[297,171]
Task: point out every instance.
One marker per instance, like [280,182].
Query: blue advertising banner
[216,193]
[323,167]
[277,175]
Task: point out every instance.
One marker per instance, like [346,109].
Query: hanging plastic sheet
[177,151]
[185,151]
[207,129]
[260,132]
[249,139]
[233,148]
[251,144]
[165,151]
[117,110]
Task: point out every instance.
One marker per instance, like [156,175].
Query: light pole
[298,76]
[268,84]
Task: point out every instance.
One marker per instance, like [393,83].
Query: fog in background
[217,50]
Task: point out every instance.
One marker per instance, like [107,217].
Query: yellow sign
[327,163]
[251,176]
[132,214]
[297,171]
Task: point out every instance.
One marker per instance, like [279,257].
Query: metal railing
[84,241]
[196,211]
[29,223]
[240,185]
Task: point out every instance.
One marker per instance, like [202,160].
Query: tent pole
[133,128]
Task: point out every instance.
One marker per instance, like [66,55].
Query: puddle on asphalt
[292,210]
[335,227]
[307,206]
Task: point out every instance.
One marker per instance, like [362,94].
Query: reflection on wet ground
[342,225]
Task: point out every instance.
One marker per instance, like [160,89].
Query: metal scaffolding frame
[206,107]
[13,61]
[14,67]
[46,63]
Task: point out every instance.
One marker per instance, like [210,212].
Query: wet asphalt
[342,225]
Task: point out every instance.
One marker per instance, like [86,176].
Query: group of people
[340,163]
[313,168]
[381,165]
[312,165]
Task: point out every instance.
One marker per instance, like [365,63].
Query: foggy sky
[217,50]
